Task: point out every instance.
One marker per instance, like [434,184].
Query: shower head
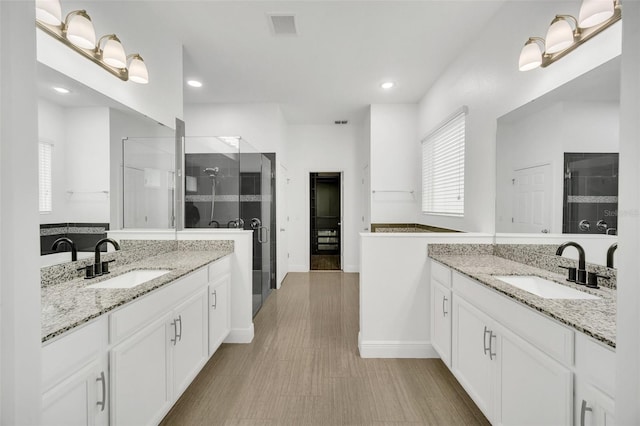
[212,171]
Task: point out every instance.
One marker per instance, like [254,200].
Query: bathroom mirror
[81,160]
[557,159]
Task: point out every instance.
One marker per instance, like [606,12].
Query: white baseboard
[351,268]
[240,335]
[298,268]
[396,349]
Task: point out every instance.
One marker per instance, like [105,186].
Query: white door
[190,340]
[472,345]
[79,400]
[219,312]
[441,321]
[532,199]
[140,392]
[532,388]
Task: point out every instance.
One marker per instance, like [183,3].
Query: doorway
[325,220]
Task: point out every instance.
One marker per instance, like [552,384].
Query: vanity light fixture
[137,69]
[76,31]
[563,37]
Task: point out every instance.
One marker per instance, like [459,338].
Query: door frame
[307,216]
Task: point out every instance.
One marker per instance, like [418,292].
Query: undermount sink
[130,279]
[544,288]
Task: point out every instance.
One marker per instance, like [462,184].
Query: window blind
[443,168]
[45,152]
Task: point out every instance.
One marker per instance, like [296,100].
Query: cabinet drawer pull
[174,323]
[444,302]
[583,411]
[179,336]
[215,299]
[492,354]
[487,349]
[102,379]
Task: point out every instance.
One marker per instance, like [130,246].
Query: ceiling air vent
[340,122]
[282,24]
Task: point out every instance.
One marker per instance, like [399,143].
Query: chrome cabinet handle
[583,411]
[102,379]
[492,354]
[179,336]
[444,301]
[174,323]
[215,299]
[486,348]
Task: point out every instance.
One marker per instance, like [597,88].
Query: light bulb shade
[559,36]
[113,53]
[80,30]
[49,12]
[530,56]
[138,70]
[595,12]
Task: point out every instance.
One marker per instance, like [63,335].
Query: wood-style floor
[303,368]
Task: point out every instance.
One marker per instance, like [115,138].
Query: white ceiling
[333,68]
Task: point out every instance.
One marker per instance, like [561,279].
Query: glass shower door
[264,234]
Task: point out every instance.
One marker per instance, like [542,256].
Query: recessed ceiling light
[194,83]
[388,85]
[62,90]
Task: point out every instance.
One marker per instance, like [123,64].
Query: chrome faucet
[99,267]
[581,273]
[70,243]
[612,249]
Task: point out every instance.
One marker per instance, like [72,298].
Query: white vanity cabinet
[219,303]
[75,377]
[151,368]
[594,384]
[129,367]
[441,311]
[513,362]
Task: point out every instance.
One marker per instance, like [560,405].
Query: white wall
[543,137]
[20,343]
[264,127]
[395,163]
[485,77]
[628,309]
[324,148]
[161,99]
[395,301]
[87,164]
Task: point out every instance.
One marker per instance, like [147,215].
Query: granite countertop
[69,304]
[596,318]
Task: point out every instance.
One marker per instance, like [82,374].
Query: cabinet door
[471,348]
[78,400]
[190,349]
[140,392]
[219,312]
[532,388]
[441,321]
[594,407]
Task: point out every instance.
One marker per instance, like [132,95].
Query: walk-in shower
[229,184]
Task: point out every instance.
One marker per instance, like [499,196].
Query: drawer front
[441,273]
[66,355]
[219,268]
[134,316]
[549,336]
